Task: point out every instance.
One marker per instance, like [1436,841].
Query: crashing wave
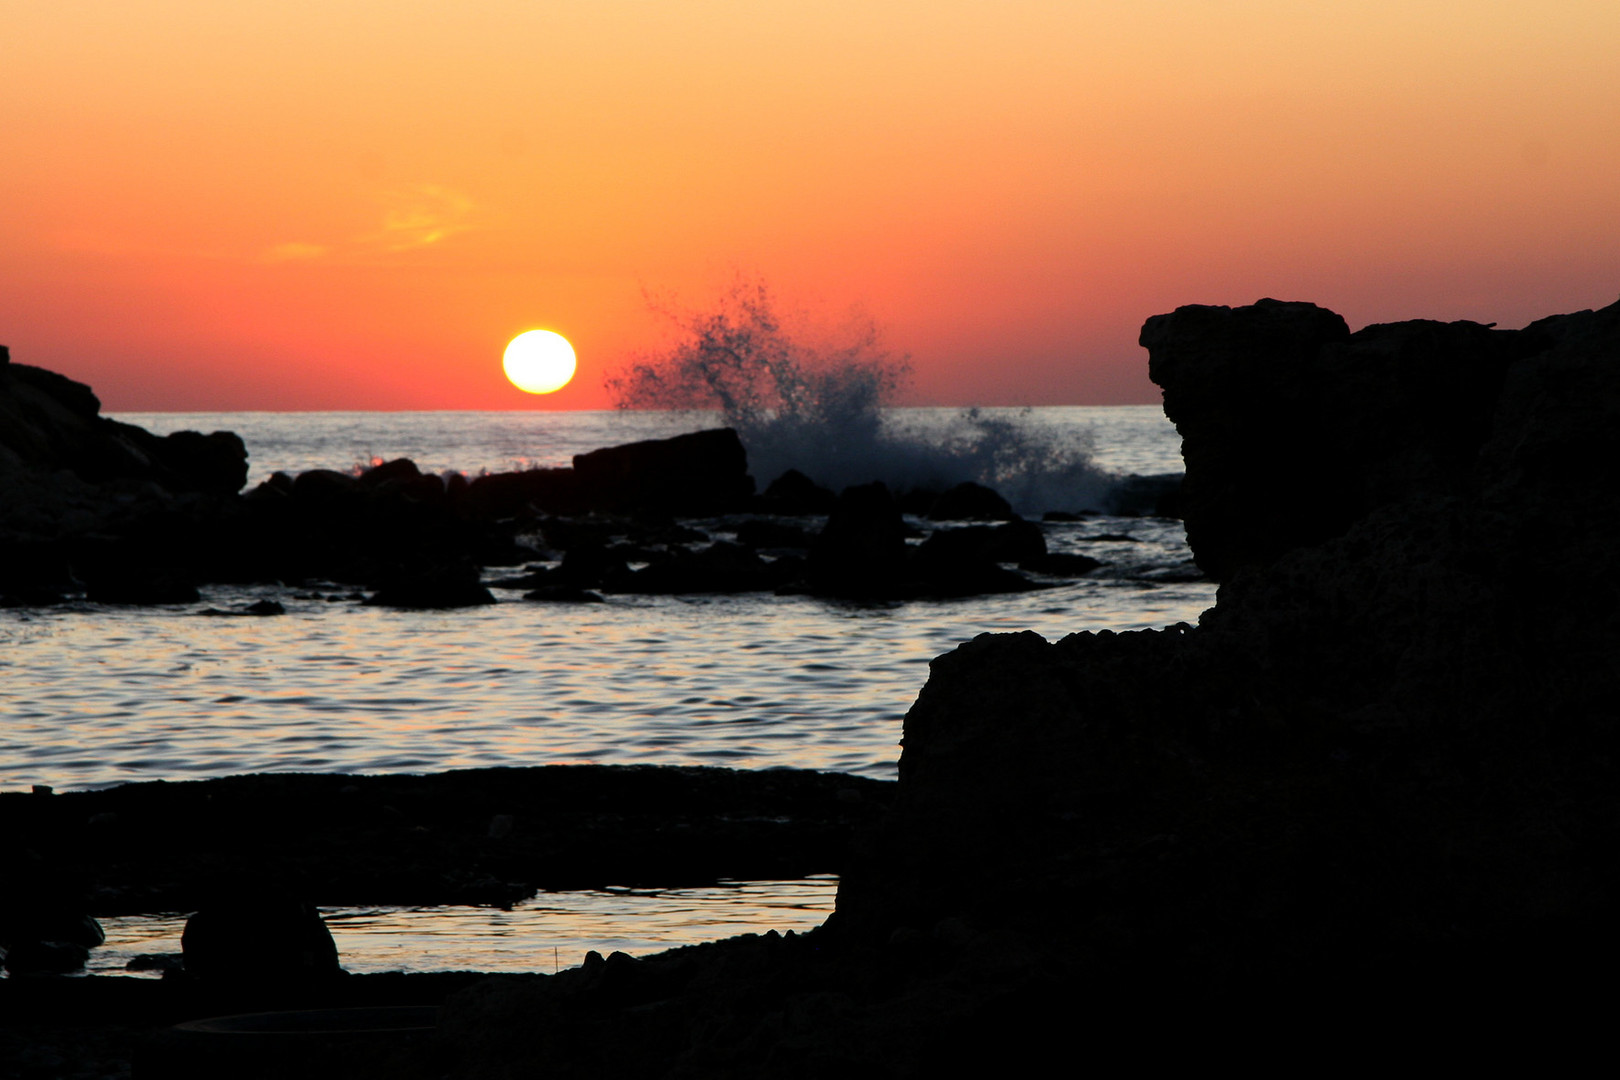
[822,407]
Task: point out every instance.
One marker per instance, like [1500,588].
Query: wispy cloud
[423,215]
[413,218]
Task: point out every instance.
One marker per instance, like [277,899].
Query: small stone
[43,789]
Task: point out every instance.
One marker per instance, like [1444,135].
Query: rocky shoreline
[93,508]
[1368,806]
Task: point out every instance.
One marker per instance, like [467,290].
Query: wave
[818,403]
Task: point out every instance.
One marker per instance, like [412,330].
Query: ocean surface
[92,695]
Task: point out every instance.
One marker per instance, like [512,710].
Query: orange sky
[234,205]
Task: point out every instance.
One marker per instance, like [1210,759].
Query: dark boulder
[326,489]
[1145,496]
[398,471]
[719,568]
[587,564]
[861,552]
[970,502]
[141,586]
[794,494]
[705,472]
[258,936]
[427,586]
[1012,542]
[522,494]
[215,464]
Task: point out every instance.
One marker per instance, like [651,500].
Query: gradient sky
[308,205]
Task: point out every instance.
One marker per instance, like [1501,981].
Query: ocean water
[92,696]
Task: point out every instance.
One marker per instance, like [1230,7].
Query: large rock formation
[1380,774]
[1394,737]
[49,423]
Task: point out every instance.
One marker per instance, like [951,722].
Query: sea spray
[818,403]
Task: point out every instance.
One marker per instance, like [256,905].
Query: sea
[92,696]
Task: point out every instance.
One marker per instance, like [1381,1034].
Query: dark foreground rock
[352,840]
[1370,802]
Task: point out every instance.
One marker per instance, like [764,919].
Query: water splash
[816,401]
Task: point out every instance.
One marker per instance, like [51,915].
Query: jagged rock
[1383,751]
[50,422]
[1293,428]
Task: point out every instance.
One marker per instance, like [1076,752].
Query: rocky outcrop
[1381,770]
[49,423]
[1293,428]
[1392,741]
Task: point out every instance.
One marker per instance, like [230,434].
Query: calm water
[92,695]
[550,931]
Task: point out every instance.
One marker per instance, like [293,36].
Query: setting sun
[539,361]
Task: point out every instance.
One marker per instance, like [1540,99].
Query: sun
[539,361]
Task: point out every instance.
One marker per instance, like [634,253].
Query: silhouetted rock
[587,564]
[215,464]
[521,494]
[965,561]
[705,472]
[44,927]
[861,552]
[795,494]
[1144,496]
[1350,765]
[970,502]
[255,934]
[451,585]
[398,471]
[141,586]
[1293,428]
[719,568]
[49,422]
